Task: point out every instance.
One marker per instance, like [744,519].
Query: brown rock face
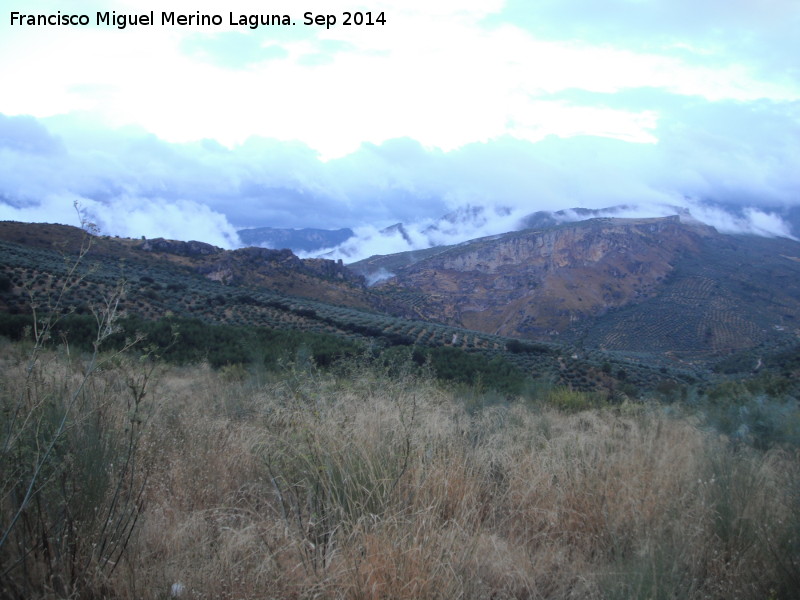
[538,283]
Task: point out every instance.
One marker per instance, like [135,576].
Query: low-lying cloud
[475,223]
[729,164]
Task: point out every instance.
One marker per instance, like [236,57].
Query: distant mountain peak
[296,240]
[397,228]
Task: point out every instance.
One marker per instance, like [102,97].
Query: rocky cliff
[564,280]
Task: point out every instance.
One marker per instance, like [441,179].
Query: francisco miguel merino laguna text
[122,21]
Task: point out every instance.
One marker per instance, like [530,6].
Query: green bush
[518,347]
[71,484]
[570,401]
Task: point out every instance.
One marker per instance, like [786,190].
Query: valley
[276,426]
[613,306]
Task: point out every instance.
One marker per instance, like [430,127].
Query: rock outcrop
[192,248]
[280,270]
[536,283]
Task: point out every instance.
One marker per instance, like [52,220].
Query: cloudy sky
[192,132]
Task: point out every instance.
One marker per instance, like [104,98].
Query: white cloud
[439,73]
[751,220]
[738,153]
[153,217]
[503,104]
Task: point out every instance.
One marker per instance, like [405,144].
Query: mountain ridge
[663,284]
[296,240]
[315,278]
[563,280]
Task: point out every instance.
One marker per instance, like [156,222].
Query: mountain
[255,304]
[768,220]
[465,223]
[543,219]
[658,284]
[663,285]
[279,270]
[296,240]
[791,215]
[467,217]
[474,221]
[642,303]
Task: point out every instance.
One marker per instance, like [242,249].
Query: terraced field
[168,291]
[734,295]
[726,296]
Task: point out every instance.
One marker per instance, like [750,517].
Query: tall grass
[366,484]
[71,487]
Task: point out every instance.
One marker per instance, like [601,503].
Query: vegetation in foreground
[123,477]
[126,476]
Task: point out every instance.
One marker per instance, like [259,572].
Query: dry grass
[365,486]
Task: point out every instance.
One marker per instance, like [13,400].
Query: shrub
[518,347]
[70,434]
[570,401]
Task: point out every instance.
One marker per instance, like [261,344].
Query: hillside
[273,445]
[241,296]
[618,299]
[278,270]
[626,284]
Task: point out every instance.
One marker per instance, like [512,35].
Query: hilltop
[279,270]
